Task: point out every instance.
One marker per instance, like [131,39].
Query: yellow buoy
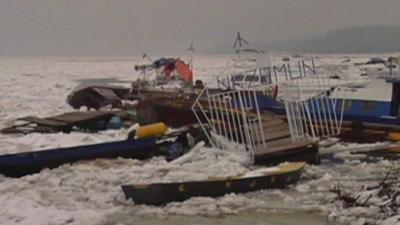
[151,130]
[394,136]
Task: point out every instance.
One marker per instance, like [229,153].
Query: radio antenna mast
[239,41]
[191,50]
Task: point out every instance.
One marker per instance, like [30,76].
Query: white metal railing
[234,115]
[316,118]
[313,103]
[311,108]
[241,77]
[311,113]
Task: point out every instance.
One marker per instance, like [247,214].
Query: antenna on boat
[238,45]
[239,41]
[145,56]
[191,50]
[143,68]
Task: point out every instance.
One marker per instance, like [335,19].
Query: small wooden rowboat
[161,193]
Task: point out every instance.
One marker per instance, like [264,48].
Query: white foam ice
[87,192]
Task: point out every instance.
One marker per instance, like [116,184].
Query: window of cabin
[252,78]
[264,79]
[368,106]
[264,71]
[238,77]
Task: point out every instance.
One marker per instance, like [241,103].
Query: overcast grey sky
[130,27]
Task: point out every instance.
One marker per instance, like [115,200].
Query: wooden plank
[279,142]
[269,136]
[75,117]
[276,127]
[274,136]
[268,119]
[273,130]
[272,133]
[272,122]
[261,150]
[45,121]
[268,114]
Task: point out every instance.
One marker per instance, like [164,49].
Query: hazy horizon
[104,28]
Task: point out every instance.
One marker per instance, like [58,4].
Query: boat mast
[191,50]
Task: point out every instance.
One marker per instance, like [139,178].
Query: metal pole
[259,120]
[222,115]
[240,125]
[229,119]
[234,121]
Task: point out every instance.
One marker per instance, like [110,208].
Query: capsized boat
[161,193]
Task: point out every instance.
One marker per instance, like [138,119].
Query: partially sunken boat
[170,76]
[151,140]
[21,164]
[162,193]
[97,96]
[66,122]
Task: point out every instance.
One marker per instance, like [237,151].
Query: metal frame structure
[271,74]
[234,115]
[312,110]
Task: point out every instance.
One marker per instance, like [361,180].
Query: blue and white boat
[369,102]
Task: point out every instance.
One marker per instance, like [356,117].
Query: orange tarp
[184,71]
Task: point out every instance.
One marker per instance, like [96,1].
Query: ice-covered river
[89,193]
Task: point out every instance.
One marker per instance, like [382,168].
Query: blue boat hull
[380,114]
[21,164]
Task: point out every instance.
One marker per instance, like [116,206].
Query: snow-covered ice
[89,192]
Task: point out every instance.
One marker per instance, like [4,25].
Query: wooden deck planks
[278,139]
[282,145]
